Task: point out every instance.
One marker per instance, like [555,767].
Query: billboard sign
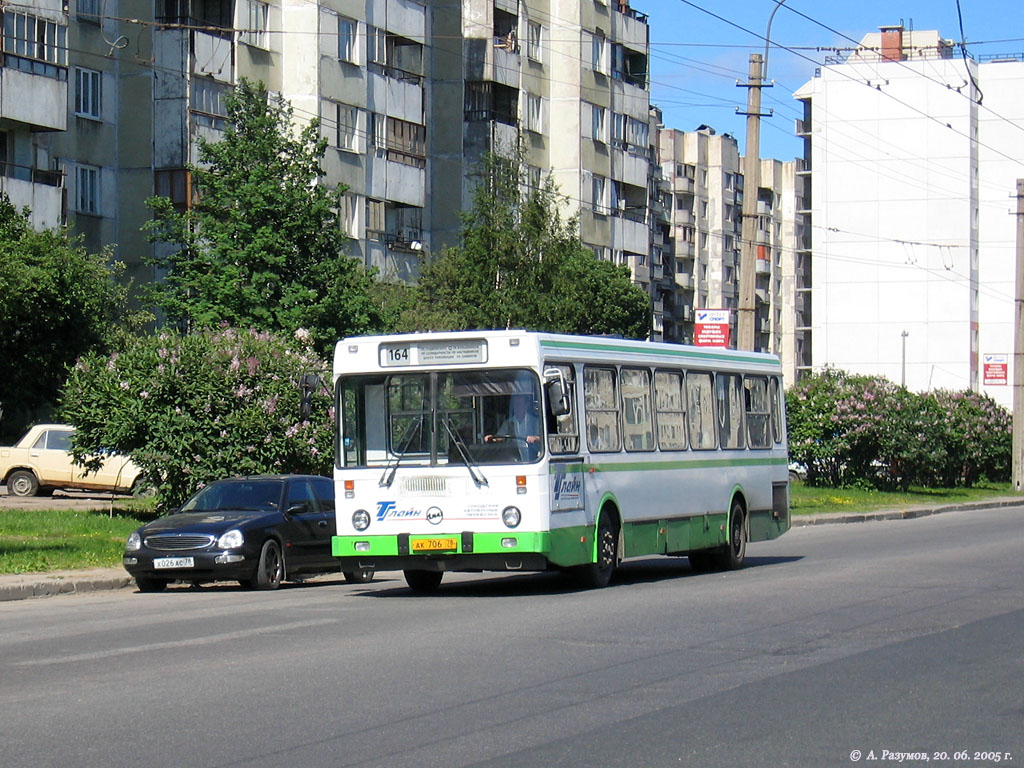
[711,327]
[995,369]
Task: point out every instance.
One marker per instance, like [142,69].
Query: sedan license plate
[174,562]
[434,545]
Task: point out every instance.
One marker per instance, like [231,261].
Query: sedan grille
[177,541]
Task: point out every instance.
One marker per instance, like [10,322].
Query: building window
[35,45]
[347,117]
[347,29]
[533,177]
[88,92]
[533,37]
[378,132]
[87,189]
[597,58]
[618,129]
[89,10]
[255,31]
[406,142]
[598,195]
[598,120]
[375,220]
[208,102]
[534,113]
[173,183]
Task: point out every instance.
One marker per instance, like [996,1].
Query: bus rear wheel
[423,582]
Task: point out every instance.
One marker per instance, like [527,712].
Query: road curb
[23,586]
[910,513]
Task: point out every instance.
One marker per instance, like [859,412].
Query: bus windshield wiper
[474,469]
[389,471]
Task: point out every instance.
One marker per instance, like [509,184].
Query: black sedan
[258,531]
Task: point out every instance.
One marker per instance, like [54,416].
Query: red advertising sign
[994,370]
[711,327]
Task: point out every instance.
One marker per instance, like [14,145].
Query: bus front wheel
[423,582]
[597,575]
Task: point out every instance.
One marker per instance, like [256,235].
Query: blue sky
[696,59]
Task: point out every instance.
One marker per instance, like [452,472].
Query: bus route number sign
[433,353]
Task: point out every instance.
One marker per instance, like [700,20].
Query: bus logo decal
[386,509]
[566,486]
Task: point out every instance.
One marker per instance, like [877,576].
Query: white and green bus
[523,451]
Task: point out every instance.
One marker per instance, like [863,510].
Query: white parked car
[40,462]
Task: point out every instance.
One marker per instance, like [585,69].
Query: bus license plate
[174,562]
[433,545]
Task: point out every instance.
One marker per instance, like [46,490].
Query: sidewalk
[21,586]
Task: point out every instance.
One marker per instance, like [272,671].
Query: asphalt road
[837,642]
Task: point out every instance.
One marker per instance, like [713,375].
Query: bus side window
[563,432]
[729,393]
[700,403]
[601,399]
[756,401]
[774,402]
[670,408]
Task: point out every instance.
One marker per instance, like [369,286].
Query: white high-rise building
[912,152]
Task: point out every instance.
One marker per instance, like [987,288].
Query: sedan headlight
[134,543]
[233,539]
[360,519]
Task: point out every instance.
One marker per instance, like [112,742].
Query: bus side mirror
[308,386]
[557,392]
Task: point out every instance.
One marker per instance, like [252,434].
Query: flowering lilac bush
[192,408]
[865,430]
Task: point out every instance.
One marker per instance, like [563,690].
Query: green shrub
[193,408]
[865,431]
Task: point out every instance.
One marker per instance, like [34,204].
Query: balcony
[683,184]
[684,280]
[762,267]
[802,127]
[35,99]
[42,192]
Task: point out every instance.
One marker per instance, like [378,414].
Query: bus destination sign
[433,353]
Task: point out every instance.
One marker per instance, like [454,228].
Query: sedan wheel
[270,570]
[22,483]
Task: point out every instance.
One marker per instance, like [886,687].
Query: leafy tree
[261,247]
[520,265]
[193,408]
[56,302]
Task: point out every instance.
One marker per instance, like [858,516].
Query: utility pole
[1018,349]
[751,181]
[903,361]
[757,73]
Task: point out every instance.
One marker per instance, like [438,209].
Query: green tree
[56,302]
[520,265]
[262,246]
[193,408]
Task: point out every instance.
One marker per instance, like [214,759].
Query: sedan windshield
[240,495]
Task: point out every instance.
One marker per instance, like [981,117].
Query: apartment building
[33,104]
[104,104]
[705,204]
[912,153]
[568,80]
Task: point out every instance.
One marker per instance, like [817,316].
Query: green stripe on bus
[640,350]
[637,466]
[483,544]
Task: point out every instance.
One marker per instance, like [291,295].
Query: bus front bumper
[463,551]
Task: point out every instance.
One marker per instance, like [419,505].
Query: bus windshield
[440,417]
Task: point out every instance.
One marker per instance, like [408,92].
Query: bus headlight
[360,519]
[511,516]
